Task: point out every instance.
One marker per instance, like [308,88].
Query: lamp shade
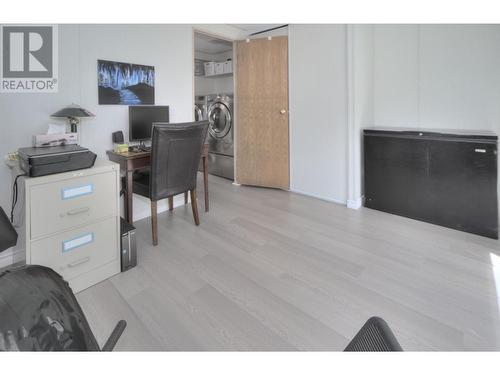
[73,111]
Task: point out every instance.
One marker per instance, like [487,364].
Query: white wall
[167,48]
[437,76]
[360,105]
[396,75]
[318,111]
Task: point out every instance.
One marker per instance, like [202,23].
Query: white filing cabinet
[73,223]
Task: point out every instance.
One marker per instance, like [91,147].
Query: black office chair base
[40,308]
[115,335]
[374,336]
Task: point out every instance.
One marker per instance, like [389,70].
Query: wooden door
[262,152]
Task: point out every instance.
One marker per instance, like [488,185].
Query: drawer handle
[78,262]
[78,211]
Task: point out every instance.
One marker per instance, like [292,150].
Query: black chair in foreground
[374,336]
[38,310]
[175,155]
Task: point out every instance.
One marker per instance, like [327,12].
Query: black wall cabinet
[440,178]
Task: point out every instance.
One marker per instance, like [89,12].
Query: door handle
[283,111]
[77,211]
[78,262]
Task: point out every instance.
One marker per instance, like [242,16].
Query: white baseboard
[11,256]
[236,184]
[333,200]
[355,204]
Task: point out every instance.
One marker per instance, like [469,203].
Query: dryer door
[220,120]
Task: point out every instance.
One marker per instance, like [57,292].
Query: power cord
[14,196]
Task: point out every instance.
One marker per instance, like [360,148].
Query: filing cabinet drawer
[69,203]
[78,251]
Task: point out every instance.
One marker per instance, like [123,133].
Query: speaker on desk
[118,137]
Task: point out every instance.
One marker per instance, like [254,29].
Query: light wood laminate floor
[272,270]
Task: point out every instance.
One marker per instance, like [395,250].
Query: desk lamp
[73,113]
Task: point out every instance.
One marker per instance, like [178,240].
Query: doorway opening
[214,99]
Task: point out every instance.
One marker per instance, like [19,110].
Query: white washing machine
[220,115]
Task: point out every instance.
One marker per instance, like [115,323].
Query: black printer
[41,161]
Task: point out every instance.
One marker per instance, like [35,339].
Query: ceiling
[208,44]
[250,28]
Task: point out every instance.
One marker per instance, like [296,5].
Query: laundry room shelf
[219,75]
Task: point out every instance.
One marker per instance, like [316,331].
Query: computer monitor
[141,119]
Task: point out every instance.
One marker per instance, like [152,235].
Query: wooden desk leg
[205,181]
[171,203]
[129,196]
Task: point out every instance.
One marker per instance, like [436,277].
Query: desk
[132,161]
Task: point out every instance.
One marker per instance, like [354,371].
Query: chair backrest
[175,156]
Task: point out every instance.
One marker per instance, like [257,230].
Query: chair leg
[194,206]
[171,203]
[154,222]
[186,197]
[205,182]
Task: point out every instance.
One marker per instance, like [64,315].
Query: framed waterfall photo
[126,84]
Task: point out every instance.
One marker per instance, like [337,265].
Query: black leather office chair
[374,336]
[175,156]
[38,310]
